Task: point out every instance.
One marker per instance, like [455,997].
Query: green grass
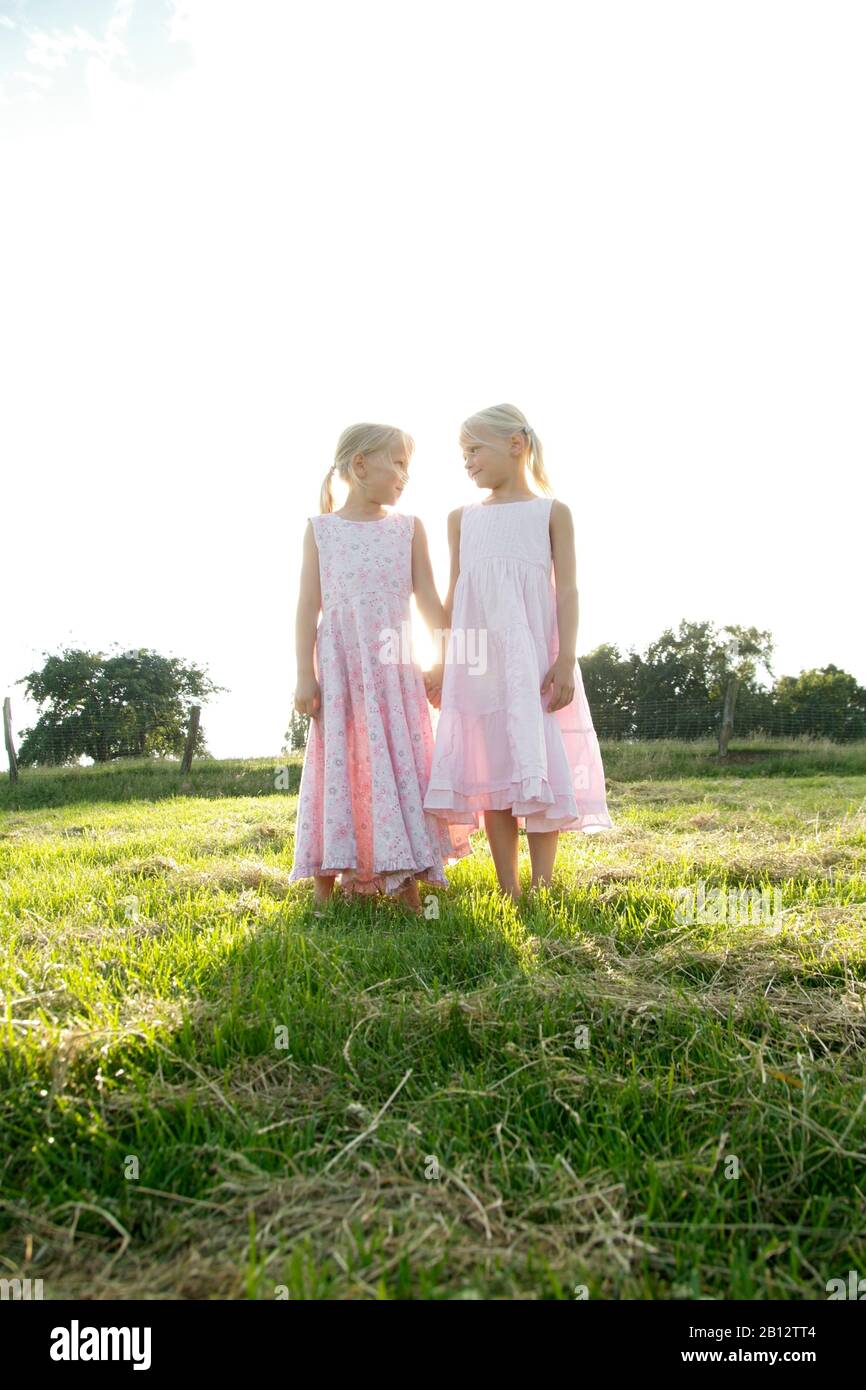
[430,1128]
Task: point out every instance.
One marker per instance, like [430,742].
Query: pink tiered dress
[368,754]
[497,745]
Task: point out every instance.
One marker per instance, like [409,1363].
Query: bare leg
[501,827]
[323,887]
[409,895]
[542,853]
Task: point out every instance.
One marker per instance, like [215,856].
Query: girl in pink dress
[370,741]
[515,739]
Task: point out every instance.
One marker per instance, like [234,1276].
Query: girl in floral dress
[370,742]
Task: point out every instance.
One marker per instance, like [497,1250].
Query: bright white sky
[229,231]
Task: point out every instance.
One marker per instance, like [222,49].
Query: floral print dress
[368,756]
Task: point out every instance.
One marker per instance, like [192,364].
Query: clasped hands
[559,680]
[433,685]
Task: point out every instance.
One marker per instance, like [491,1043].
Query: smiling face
[491,460]
[384,474]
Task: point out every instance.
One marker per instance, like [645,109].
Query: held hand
[435,675]
[433,685]
[308,697]
[560,681]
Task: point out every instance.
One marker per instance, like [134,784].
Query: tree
[826,702]
[608,680]
[702,681]
[684,676]
[135,704]
[296,734]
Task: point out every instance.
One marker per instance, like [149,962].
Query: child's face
[491,460]
[385,475]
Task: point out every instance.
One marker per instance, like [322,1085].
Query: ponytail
[536,461]
[326,496]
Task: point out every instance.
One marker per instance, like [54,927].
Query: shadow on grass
[311,1075]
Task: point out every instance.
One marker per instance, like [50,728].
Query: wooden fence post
[7,734]
[191,733]
[728,715]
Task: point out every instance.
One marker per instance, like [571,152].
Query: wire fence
[700,719]
[136,732]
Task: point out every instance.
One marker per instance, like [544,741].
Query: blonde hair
[504,420]
[360,439]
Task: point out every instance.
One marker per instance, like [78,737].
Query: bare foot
[324,888]
[409,896]
[510,891]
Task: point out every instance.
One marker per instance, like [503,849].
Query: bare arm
[308,696]
[433,678]
[424,588]
[454,520]
[561,673]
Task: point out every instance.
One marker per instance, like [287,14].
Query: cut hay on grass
[501,1101]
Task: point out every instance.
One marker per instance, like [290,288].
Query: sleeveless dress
[497,745]
[368,753]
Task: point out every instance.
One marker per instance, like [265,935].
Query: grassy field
[208,1089]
